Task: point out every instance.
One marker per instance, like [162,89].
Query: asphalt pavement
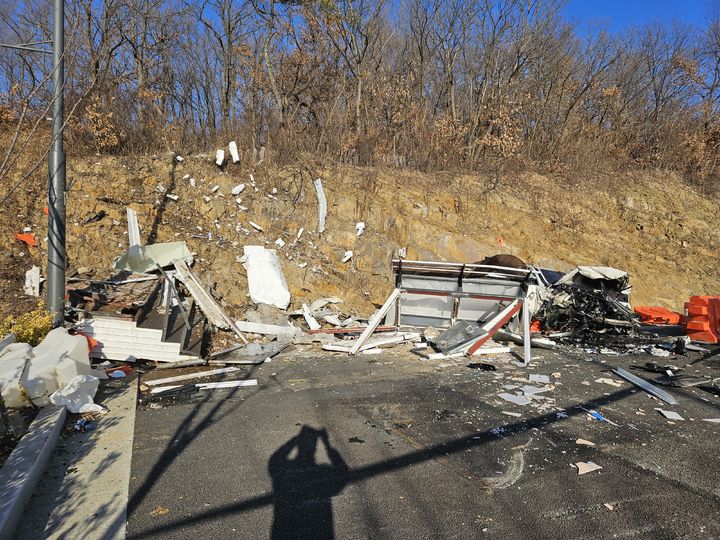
[390,446]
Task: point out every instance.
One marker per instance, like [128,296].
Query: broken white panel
[226,384]
[532,390]
[265,277]
[233,151]
[133,228]
[512,398]
[220,157]
[309,319]
[280,242]
[120,339]
[256,226]
[495,349]
[265,329]
[348,255]
[670,415]
[360,227]
[333,319]
[322,205]
[32,281]
[237,190]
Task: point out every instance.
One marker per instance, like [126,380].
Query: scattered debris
[513,398]
[585,467]
[77,395]
[610,382]
[670,415]
[584,442]
[27,239]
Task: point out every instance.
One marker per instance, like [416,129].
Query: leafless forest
[427,84]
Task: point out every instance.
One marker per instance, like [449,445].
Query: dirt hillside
[651,225]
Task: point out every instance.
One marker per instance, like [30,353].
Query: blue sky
[621,14]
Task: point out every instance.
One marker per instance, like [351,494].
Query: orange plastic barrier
[702,318]
[657,315]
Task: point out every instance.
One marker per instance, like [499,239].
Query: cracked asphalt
[390,446]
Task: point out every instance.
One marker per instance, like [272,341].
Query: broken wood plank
[375,321]
[188,376]
[645,385]
[212,310]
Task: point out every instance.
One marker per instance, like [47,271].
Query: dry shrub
[30,327]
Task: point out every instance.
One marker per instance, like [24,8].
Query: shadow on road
[304,488]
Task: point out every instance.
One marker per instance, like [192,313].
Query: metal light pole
[56,168]
[57,256]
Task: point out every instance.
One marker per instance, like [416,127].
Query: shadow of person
[303,489]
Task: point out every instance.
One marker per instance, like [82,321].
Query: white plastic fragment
[280,242]
[322,205]
[309,319]
[237,190]
[360,227]
[256,226]
[77,395]
[670,415]
[32,281]
[233,151]
[266,281]
[185,177]
[133,228]
[172,197]
[214,188]
[192,183]
[348,255]
[179,159]
[585,467]
[512,398]
[219,157]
